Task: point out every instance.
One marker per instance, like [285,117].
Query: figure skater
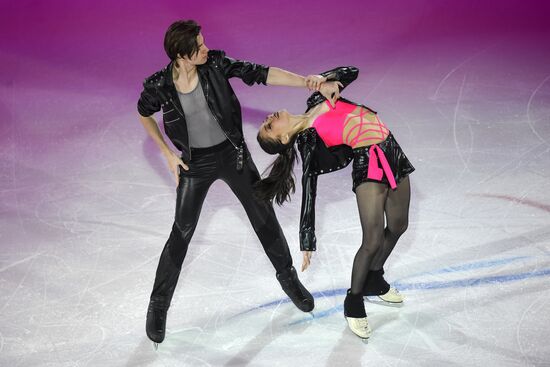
[202,118]
[329,135]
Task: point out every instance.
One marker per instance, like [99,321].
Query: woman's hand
[314,82]
[306,259]
[331,91]
[174,163]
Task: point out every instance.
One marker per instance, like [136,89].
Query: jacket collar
[168,81]
[202,71]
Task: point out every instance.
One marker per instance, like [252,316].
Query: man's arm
[251,73]
[150,125]
[276,76]
[148,104]
[174,161]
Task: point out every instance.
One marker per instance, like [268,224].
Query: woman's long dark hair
[279,183]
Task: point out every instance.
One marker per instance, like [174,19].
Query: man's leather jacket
[318,159]
[159,93]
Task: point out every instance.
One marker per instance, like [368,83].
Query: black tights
[374,201]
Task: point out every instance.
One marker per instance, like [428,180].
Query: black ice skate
[155,325]
[294,289]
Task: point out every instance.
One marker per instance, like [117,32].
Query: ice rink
[87,202]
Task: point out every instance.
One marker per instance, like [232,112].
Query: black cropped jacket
[318,159]
[159,93]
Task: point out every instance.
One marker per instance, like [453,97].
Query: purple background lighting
[86,201]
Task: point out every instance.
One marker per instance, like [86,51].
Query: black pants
[208,165]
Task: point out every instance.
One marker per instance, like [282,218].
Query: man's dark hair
[181,38]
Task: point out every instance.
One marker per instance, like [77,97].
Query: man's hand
[174,163]
[331,91]
[306,259]
[313,82]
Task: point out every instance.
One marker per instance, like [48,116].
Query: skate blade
[379,301]
[155,346]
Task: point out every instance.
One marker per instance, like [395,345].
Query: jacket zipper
[214,115]
[183,117]
[239,149]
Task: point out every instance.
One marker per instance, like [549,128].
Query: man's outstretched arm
[276,76]
[251,73]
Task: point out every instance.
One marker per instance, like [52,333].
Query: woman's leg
[371,200]
[397,220]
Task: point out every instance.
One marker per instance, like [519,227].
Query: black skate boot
[155,325]
[294,289]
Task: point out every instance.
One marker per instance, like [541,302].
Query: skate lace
[363,323]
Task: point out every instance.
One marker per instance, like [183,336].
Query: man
[202,118]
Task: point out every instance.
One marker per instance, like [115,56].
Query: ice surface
[87,201]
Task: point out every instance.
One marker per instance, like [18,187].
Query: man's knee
[178,241]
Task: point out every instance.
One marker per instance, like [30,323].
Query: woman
[329,135]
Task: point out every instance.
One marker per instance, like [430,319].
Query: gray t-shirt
[203,129]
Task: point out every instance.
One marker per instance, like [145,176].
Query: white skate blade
[391,298]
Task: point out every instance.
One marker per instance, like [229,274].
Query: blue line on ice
[404,286]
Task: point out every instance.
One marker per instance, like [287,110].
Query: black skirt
[400,165]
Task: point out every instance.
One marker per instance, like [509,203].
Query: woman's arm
[306,144]
[345,75]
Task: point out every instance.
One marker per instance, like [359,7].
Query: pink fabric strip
[379,124]
[374,171]
[357,139]
[348,120]
[350,131]
[354,140]
[366,139]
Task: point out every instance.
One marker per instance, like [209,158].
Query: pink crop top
[330,125]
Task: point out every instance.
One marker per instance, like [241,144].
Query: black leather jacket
[159,93]
[317,159]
